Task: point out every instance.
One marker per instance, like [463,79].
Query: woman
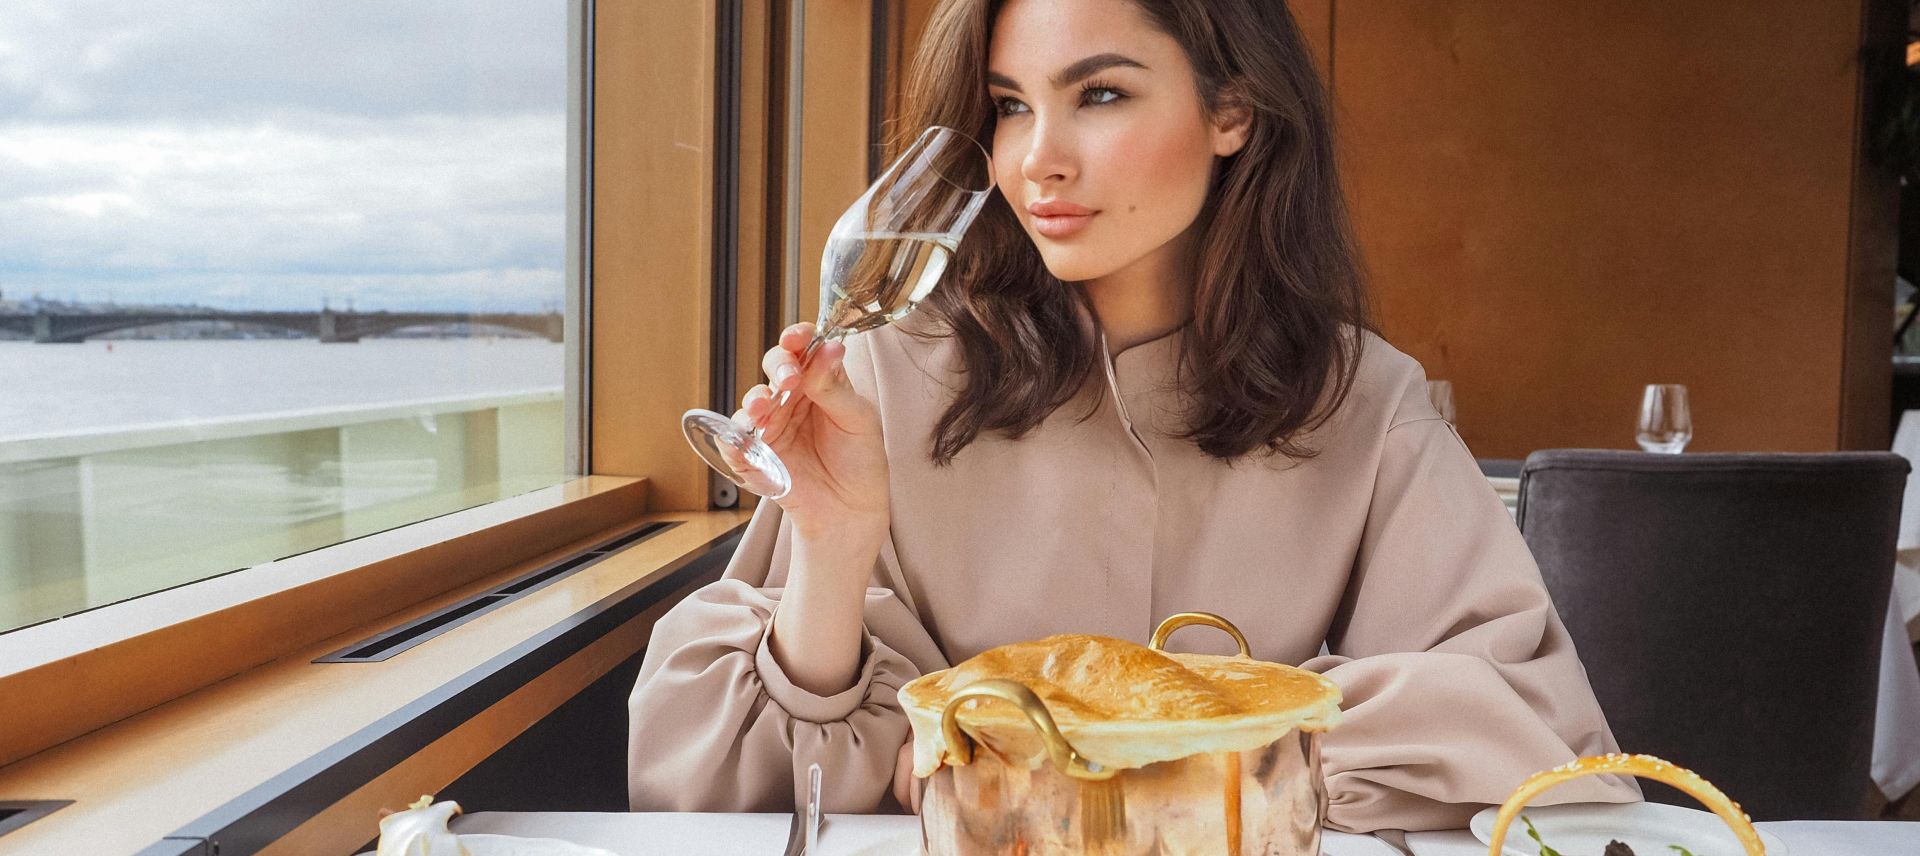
[1147,386]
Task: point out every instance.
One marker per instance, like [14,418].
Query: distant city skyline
[282,154]
[9,299]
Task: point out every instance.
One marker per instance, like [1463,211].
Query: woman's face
[1098,112]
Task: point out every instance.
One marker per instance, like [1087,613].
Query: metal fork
[1103,816]
[797,843]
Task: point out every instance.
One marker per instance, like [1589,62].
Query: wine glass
[1665,423]
[883,257]
[1440,392]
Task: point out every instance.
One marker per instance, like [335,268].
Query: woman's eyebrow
[1072,74]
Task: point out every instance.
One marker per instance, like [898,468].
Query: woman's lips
[1061,226]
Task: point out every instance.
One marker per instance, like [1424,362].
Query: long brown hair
[1279,302]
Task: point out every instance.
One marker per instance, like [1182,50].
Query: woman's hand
[828,436]
[906,786]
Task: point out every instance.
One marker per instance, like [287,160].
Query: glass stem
[820,337]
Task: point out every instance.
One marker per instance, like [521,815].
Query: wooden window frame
[697,314]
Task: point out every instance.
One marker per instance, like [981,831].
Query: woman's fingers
[903,777]
[795,338]
[761,409]
[781,364]
[753,407]
[825,383]
[820,380]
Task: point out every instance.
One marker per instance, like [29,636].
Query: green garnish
[1614,847]
[1535,835]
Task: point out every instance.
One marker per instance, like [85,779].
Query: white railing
[93,517]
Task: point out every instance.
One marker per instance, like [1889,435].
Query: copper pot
[1269,800]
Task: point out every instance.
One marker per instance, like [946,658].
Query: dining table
[721,834]
[1897,763]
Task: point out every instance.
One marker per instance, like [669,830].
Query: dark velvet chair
[1728,608]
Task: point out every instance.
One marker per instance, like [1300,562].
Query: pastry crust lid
[1120,704]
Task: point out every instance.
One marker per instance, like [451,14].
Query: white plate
[904,844]
[1583,829]
[482,844]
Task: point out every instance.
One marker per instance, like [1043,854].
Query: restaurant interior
[1657,261]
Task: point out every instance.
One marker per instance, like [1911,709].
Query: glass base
[736,453]
[1663,447]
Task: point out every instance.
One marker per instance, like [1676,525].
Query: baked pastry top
[1120,704]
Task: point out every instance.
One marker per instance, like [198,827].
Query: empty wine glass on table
[1665,423]
[883,257]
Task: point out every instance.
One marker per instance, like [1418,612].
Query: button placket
[1133,523]
[1114,389]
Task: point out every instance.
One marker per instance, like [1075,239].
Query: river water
[48,389]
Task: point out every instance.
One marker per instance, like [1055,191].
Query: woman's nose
[1049,155]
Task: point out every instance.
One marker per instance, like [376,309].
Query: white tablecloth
[662,833]
[1906,576]
[654,834]
[1803,838]
[1896,738]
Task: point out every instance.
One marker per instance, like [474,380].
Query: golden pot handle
[960,746]
[1182,619]
[1645,766]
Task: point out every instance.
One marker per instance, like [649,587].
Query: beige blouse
[1389,547]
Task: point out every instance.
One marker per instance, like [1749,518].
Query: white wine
[884,255]
[877,277]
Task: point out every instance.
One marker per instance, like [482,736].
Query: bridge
[326,325]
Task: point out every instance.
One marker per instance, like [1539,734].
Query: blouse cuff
[804,704]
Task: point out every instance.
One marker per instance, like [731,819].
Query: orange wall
[1561,202]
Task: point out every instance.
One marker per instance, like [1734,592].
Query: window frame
[76,675]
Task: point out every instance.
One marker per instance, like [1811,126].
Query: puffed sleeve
[1459,679]
[715,725]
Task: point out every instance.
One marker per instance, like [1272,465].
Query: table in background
[1802,838]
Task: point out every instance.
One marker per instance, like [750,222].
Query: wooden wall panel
[834,130]
[757,122]
[914,16]
[1315,18]
[1562,202]
[652,234]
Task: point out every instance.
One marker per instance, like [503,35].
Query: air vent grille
[17,813]
[390,642]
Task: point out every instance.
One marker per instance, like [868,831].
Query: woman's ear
[1232,122]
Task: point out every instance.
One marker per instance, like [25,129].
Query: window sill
[64,678]
[294,756]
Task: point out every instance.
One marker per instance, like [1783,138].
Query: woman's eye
[1091,96]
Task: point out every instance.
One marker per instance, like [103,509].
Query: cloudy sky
[405,154]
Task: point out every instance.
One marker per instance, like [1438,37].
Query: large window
[273,275]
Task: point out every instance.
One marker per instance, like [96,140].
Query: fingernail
[783,374]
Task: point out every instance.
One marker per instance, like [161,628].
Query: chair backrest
[1728,609]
